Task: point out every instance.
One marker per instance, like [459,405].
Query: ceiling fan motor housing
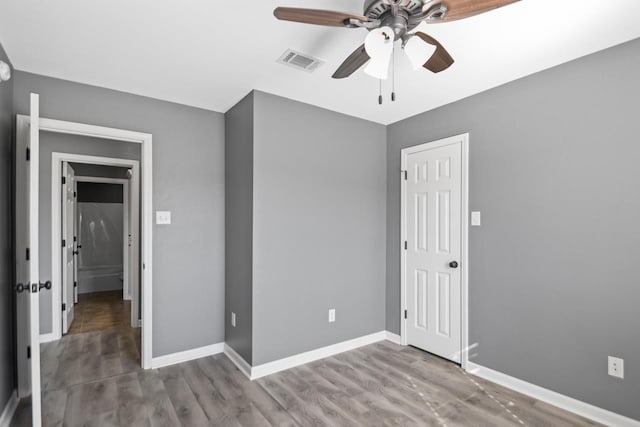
[400,15]
[374,9]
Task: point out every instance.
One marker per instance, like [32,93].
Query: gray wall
[7,366]
[55,142]
[188,179]
[319,218]
[239,225]
[553,268]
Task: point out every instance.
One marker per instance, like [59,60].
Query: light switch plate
[163,217]
[332,315]
[233,319]
[475,218]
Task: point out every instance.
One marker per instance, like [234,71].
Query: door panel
[27,260]
[76,241]
[68,258]
[433,224]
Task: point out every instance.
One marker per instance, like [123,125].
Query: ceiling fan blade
[440,60]
[460,9]
[357,59]
[317,17]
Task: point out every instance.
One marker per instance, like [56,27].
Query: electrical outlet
[233,319]
[616,367]
[332,315]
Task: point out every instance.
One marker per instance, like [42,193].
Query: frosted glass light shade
[379,47]
[418,51]
[5,71]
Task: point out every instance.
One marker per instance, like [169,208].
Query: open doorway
[98,200]
[100,283]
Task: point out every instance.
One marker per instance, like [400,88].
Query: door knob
[35,287]
[453,264]
[20,288]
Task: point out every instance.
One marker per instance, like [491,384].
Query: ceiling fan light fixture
[418,51]
[5,71]
[379,42]
[379,47]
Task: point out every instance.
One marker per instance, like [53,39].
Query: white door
[76,241]
[433,249]
[68,257]
[28,287]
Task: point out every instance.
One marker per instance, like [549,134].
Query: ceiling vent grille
[300,61]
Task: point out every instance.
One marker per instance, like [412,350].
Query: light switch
[475,218]
[163,217]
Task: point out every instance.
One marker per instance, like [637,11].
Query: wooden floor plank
[382,384]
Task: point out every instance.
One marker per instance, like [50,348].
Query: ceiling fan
[389,21]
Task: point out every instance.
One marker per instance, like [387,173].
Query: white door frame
[146,235]
[56,250]
[463,140]
[127,229]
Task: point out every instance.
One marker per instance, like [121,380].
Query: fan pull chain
[380,92]
[393,74]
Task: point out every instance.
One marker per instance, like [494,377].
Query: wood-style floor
[378,385]
[98,311]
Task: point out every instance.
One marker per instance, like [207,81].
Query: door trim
[463,140]
[146,206]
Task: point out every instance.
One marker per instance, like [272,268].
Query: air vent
[300,61]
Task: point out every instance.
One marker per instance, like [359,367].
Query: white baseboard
[255,372]
[185,356]
[48,337]
[313,355]
[9,409]
[394,338]
[553,398]
[238,360]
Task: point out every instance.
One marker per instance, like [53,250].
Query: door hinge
[64,243]
[405,314]
[28,254]
[64,307]
[75,194]
[75,284]
[28,154]
[75,239]
[406,245]
[28,352]
[64,180]
[406,175]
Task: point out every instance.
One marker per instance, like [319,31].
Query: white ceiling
[210,54]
